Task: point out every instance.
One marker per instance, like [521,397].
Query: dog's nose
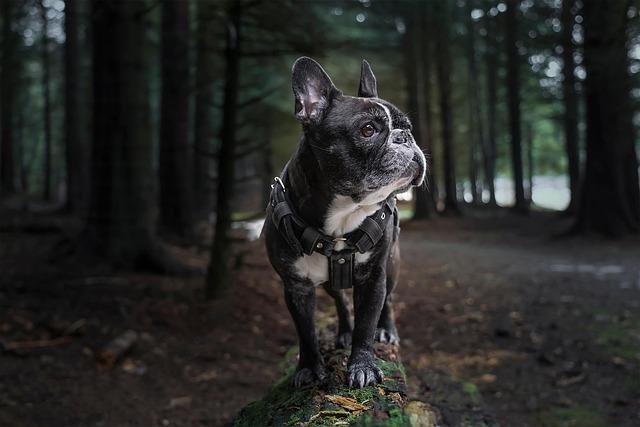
[403,137]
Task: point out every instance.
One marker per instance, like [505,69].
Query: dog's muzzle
[401,137]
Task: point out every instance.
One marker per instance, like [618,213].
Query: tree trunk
[530,167]
[203,133]
[492,99]
[122,217]
[46,90]
[444,70]
[332,403]
[431,195]
[219,274]
[8,82]
[75,149]
[176,213]
[476,124]
[610,201]
[21,173]
[415,76]
[473,168]
[513,94]
[570,103]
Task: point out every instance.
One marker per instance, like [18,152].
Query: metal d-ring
[278,181]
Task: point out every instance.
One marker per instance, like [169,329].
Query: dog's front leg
[301,301]
[368,296]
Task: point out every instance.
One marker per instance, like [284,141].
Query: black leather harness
[307,240]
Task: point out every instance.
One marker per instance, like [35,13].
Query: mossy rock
[333,403]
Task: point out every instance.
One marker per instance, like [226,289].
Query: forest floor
[543,331]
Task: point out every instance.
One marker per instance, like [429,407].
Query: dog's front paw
[343,340]
[387,336]
[306,375]
[363,371]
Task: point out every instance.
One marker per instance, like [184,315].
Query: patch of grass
[471,390]
[620,338]
[580,416]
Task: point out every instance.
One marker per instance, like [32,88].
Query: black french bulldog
[355,154]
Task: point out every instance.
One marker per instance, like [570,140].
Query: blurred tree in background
[165,121]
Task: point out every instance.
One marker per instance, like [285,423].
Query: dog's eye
[367,130]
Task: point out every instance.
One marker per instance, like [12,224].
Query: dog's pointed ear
[368,86]
[312,89]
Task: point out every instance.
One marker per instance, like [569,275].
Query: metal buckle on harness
[277,180]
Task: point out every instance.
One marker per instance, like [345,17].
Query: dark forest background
[147,118]
[156,126]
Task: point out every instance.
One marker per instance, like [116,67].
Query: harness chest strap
[310,239]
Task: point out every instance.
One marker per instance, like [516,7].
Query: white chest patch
[314,267]
[343,216]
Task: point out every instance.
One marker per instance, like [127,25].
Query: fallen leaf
[346,402]
[488,378]
[397,399]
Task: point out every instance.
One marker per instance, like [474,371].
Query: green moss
[392,369]
[359,394]
[283,404]
[309,407]
[579,416]
[254,414]
[397,418]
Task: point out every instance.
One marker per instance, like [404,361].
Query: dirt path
[547,330]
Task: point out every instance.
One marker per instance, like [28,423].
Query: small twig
[117,348]
[34,344]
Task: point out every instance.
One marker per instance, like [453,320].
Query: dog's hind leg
[386,331]
[301,302]
[345,323]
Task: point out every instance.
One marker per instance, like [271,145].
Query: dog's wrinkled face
[363,144]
